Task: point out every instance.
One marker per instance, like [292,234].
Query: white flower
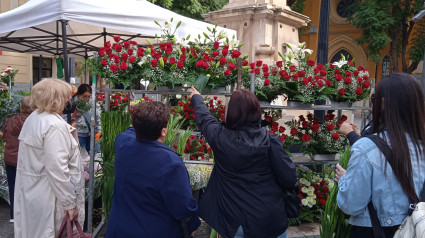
[310,199]
[304,202]
[304,190]
[222,34]
[327,180]
[310,193]
[303,181]
[309,205]
[340,63]
[331,185]
[311,188]
[309,51]
[3,74]
[178,96]
[314,202]
[301,46]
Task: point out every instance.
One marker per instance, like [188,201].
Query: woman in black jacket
[244,194]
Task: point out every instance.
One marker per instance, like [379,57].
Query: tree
[387,22]
[191,8]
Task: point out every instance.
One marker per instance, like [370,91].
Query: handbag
[66,230]
[292,202]
[414,224]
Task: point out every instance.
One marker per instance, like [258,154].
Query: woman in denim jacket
[398,118]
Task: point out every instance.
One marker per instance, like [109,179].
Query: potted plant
[8,74]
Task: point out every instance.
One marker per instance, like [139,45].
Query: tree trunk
[404,43]
[393,51]
[412,67]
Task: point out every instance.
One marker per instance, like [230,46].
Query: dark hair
[399,109]
[149,118]
[243,108]
[83,88]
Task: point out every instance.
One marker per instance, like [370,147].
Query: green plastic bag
[59,64]
[201,82]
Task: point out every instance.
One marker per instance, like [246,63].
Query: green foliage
[297,5]
[334,221]
[174,125]
[113,123]
[416,51]
[8,107]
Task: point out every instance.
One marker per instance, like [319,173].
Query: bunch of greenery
[11,107]
[113,123]
[334,221]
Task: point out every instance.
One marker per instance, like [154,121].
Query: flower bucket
[177,89]
[339,104]
[326,157]
[264,104]
[214,91]
[297,104]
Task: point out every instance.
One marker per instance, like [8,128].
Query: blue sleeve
[355,186]
[353,137]
[177,195]
[208,125]
[282,165]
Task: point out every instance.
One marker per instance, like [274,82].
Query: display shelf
[154,92]
[316,107]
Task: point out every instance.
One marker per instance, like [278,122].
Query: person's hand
[339,171]
[97,136]
[346,128]
[193,233]
[73,214]
[356,130]
[194,92]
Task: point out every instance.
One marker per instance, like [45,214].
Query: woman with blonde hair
[49,179]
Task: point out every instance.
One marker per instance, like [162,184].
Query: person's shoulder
[129,133]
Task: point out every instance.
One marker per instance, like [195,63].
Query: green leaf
[206,35]
[149,41]
[187,38]
[201,82]
[178,24]
[240,45]
[156,22]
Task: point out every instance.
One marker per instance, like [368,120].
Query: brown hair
[25,105]
[243,108]
[149,118]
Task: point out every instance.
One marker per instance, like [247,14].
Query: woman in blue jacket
[152,193]
[244,194]
[399,119]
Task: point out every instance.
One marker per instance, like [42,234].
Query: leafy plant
[183,137]
[11,107]
[334,221]
[7,74]
[174,125]
[113,123]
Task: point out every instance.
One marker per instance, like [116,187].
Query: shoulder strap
[87,122]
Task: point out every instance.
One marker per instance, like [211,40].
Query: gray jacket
[82,127]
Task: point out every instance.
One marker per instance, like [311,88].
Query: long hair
[243,108]
[399,109]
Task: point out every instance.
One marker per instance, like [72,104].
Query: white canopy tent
[76,28]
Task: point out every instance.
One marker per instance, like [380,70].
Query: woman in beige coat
[49,179]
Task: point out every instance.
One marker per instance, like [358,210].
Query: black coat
[245,187]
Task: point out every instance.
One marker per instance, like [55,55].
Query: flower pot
[339,104]
[325,157]
[214,91]
[298,104]
[264,104]
[177,89]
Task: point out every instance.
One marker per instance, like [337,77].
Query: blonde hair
[74,90]
[50,95]
[25,105]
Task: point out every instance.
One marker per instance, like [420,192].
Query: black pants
[11,176]
[367,232]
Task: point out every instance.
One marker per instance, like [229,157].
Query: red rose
[281,129]
[338,77]
[305,124]
[140,52]
[126,44]
[341,92]
[315,127]
[182,57]
[347,80]
[305,81]
[199,64]
[216,45]
[316,71]
[215,54]
[359,91]
[335,136]
[311,62]
[301,117]
[323,202]
[117,38]
[235,54]
[227,72]
[157,55]
[118,48]
[305,137]
[257,71]
[131,59]
[295,77]
[366,84]
[133,42]
[232,66]
[283,138]
[328,82]
[124,56]
[252,65]
[113,67]
[123,66]
[348,74]
[108,51]
[245,63]
[107,44]
[292,68]
[356,73]
[130,51]
[116,59]
[172,60]
[287,77]
[266,74]
[360,67]
[310,117]
[164,59]
[294,131]
[343,118]
[330,127]
[180,64]
[265,68]
[320,66]
[282,73]
[224,52]
[104,62]
[279,63]
[223,61]
[336,71]
[102,53]
[325,189]
[154,63]
[301,73]
[268,118]
[332,66]
[266,82]
[205,65]
[259,63]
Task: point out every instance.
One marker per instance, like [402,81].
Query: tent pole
[85,67]
[40,68]
[65,59]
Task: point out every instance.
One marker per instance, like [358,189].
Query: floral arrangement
[315,188]
[118,61]
[349,84]
[7,74]
[198,149]
[118,101]
[199,175]
[317,138]
[267,84]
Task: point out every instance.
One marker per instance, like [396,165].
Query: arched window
[385,66]
[338,56]
[343,8]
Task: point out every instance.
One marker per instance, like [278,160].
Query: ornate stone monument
[264,26]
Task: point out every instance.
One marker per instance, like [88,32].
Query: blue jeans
[85,143]
[239,233]
[11,176]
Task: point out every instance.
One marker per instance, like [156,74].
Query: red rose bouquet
[7,74]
